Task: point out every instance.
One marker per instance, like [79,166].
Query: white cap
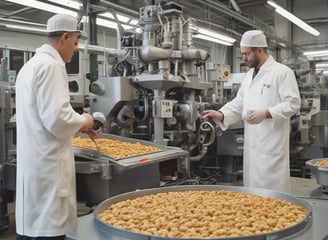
[253,38]
[62,22]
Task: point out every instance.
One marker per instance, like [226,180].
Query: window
[73,66]
[16,60]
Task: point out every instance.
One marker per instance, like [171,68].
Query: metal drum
[300,230]
[321,173]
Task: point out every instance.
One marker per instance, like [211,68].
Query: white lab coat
[46,122]
[266,145]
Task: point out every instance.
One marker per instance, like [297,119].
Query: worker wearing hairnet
[266,100]
[46,123]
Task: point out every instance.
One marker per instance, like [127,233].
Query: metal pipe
[158,121]
[121,8]
[257,24]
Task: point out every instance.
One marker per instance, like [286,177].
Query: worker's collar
[256,70]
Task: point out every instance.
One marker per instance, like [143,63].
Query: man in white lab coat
[46,123]
[266,100]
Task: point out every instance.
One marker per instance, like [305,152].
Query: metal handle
[93,140]
[206,132]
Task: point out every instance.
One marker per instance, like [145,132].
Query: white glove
[256,116]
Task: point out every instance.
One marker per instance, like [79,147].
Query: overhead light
[321,65]
[212,39]
[134,22]
[216,35]
[122,18]
[111,24]
[26,28]
[119,17]
[106,23]
[68,3]
[318,53]
[106,15]
[283,12]
[44,6]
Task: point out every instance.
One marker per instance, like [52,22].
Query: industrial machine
[309,137]
[155,88]
[7,143]
[158,84]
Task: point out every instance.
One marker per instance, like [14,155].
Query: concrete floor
[10,233]
[301,188]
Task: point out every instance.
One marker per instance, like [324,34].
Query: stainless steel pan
[321,173]
[110,232]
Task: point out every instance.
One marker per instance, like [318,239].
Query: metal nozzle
[99,120]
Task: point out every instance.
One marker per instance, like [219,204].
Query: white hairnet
[253,38]
[62,22]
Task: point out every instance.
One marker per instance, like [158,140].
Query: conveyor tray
[166,153]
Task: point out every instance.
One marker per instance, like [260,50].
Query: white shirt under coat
[266,145]
[46,123]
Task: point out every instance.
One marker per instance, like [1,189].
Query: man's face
[250,56]
[70,47]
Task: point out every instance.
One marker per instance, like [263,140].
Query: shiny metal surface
[106,231]
[321,173]
[93,140]
[100,176]
[122,164]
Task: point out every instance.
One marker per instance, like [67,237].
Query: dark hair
[57,34]
[254,49]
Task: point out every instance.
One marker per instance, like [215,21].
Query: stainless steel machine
[100,175]
[158,79]
[158,84]
[7,143]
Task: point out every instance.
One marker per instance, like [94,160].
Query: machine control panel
[166,108]
[224,72]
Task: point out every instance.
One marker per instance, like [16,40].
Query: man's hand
[88,125]
[215,115]
[256,116]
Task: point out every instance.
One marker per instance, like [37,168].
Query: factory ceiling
[231,17]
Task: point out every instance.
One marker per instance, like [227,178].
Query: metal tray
[106,231]
[166,153]
[321,173]
[122,139]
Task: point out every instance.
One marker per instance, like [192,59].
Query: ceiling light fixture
[321,65]
[318,53]
[297,21]
[134,22]
[106,23]
[216,35]
[68,3]
[119,17]
[106,15]
[26,28]
[212,39]
[111,24]
[44,6]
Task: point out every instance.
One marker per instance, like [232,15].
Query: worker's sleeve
[232,110]
[53,100]
[290,101]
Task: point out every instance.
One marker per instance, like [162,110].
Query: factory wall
[28,42]
[315,14]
